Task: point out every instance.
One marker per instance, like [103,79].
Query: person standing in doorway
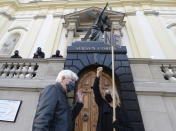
[105,109]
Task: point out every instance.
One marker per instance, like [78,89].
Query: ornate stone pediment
[85,18]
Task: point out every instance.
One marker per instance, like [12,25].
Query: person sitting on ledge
[39,53]
[57,55]
[16,54]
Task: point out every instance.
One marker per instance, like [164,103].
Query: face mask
[108,98]
[70,86]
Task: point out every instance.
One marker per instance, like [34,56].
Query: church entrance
[87,118]
[85,56]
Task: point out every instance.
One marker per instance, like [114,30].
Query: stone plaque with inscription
[9,110]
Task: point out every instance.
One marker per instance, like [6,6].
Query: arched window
[10,43]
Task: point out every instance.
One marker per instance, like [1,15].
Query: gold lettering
[78,48]
[93,48]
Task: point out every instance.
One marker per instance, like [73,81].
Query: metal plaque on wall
[9,110]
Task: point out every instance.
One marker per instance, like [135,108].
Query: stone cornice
[9,16]
[39,16]
[155,88]
[151,61]
[131,13]
[151,12]
[83,4]
[47,60]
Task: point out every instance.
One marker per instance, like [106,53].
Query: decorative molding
[166,13]
[151,12]
[7,15]
[57,15]
[40,16]
[10,17]
[35,1]
[155,88]
[151,61]
[131,13]
[68,3]
[171,25]
[17,27]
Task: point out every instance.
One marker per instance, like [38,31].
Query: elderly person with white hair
[53,111]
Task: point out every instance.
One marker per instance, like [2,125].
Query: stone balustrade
[18,70]
[154,70]
[46,70]
[38,69]
[169,72]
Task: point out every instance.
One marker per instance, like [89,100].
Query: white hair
[67,74]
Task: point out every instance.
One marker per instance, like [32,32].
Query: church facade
[144,59]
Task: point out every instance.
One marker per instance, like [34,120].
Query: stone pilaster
[71,31]
[117,25]
[71,25]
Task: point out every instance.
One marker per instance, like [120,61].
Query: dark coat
[53,112]
[16,56]
[105,116]
[39,55]
[56,56]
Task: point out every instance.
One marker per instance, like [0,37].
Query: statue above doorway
[91,23]
[97,29]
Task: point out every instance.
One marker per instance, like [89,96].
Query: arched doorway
[87,118]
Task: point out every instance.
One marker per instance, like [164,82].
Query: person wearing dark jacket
[53,111]
[16,54]
[39,53]
[57,55]
[105,109]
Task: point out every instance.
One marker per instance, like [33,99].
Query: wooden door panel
[89,122]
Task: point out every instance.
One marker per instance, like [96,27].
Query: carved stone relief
[9,45]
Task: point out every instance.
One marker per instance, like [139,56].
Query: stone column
[116,29]
[71,30]
[117,25]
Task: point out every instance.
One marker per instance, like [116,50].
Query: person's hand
[79,96]
[99,71]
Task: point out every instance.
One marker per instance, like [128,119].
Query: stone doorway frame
[82,55]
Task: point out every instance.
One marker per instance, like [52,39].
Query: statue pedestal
[94,47]
[87,53]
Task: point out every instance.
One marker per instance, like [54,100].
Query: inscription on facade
[95,48]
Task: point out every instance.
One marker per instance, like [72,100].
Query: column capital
[117,21]
[71,24]
[71,28]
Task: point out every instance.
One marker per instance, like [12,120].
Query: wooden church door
[87,118]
